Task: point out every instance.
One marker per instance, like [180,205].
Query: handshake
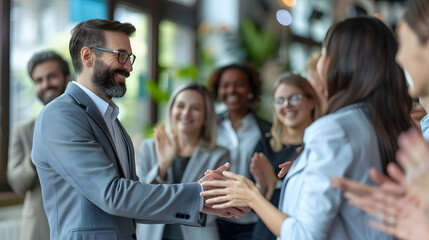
[219,193]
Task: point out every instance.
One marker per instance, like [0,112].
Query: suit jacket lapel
[130,150]
[86,103]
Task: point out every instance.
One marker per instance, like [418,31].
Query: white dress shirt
[241,144]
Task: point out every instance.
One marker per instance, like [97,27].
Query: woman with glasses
[368,107]
[296,106]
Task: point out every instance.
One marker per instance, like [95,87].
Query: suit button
[178,215]
[134,236]
[187,216]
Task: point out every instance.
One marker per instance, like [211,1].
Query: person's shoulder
[263,123]
[148,143]
[28,123]
[222,116]
[220,150]
[340,123]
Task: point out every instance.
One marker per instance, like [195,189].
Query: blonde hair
[305,86]
[209,129]
[311,66]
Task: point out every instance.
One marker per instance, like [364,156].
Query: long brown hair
[361,68]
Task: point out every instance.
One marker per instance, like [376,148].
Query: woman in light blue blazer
[183,157]
[368,106]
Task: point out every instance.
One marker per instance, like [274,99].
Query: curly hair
[252,74]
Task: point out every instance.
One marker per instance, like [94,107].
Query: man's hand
[211,175]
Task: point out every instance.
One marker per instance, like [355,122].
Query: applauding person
[368,107]
[295,105]
[184,156]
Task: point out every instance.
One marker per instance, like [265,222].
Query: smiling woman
[183,155]
[368,107]
[238,86]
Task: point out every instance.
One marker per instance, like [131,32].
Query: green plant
[258,44]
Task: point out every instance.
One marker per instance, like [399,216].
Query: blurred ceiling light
[284,17]
[289,3]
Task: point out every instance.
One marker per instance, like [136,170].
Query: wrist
[162,172]
[254,197]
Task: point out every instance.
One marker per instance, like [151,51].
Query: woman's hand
[237,191]
[404,218]
[413,156]
[166,150]
[264,175]
[284,168]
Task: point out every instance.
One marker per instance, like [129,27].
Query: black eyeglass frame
[130,56]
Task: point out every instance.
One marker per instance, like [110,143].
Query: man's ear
[87,57]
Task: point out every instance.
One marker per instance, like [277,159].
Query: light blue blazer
[343,144]
[200,161]
[424,125]
[84,189]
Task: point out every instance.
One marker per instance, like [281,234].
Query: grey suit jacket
[147,170]
[85,192]
[22,177]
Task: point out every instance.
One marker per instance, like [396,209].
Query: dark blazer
[85,192]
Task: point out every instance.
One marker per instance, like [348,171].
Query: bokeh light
[284,17]
[289,3]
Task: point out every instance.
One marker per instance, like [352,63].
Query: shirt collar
[109,108]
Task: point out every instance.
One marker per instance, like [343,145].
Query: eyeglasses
[123,56]
[293,99]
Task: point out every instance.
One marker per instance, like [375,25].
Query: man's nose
[128,66]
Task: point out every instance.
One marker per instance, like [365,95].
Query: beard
[104,80]
[52,92]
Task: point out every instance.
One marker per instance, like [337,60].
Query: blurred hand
[237,191]
[264,174]
[211,175]
[413,155]
[284,169]
[166,150]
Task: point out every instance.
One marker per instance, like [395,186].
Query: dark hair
[41,57]
[417,17]
[360,53]
[91,33]
[252,75]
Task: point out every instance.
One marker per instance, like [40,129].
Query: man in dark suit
[85,158]
[50,73]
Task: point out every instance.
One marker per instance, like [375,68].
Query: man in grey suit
[50,73]
[85,158]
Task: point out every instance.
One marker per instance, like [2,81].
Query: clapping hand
[166,149]
[401,202]
[264,175]
[413,155]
